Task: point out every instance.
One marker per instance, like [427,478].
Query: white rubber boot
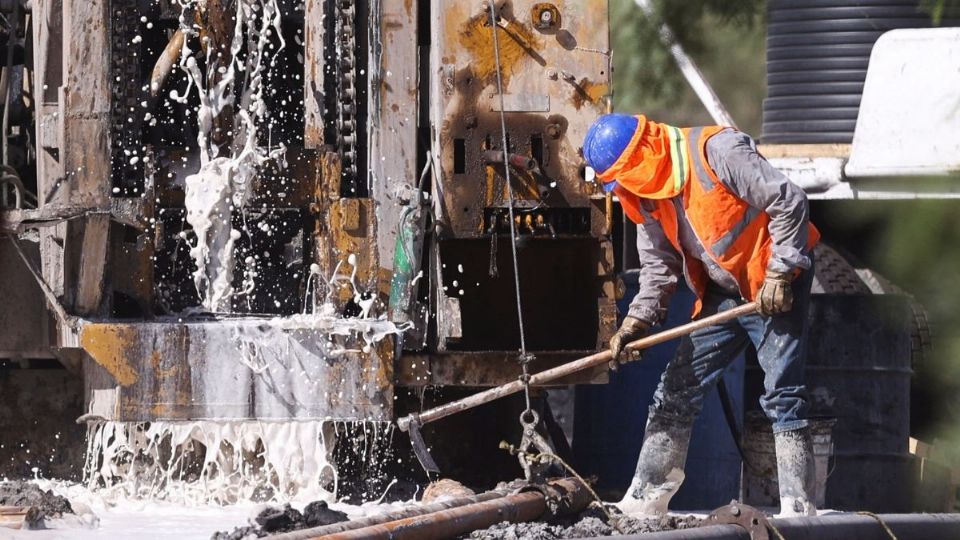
[659,469]
[796,472]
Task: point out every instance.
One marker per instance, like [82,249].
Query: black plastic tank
[817,56]
[858,373]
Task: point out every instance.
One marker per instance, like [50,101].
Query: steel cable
[524,357]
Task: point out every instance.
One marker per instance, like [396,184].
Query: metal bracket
[420,447]
[532,447]
[752,520]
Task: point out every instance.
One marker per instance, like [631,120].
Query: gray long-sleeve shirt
[733,156]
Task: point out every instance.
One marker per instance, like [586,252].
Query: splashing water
[226,462]
[223,183]
[223,461]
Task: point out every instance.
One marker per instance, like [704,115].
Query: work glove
[631,329]
[776,295]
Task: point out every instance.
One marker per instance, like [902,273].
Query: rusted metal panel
[554,61]
[487,368]
[563,67]
[93,263]
[47,71]
[238,369]
[393,117]
[313,63]
[85,105]
[345,230]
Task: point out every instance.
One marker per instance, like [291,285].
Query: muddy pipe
[569,368]
[412,511]
[830,527]
[164,66]
[558,497]
[517,161]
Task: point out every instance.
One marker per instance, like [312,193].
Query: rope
[776,531]
[881,522]
[546,455]
[524,356]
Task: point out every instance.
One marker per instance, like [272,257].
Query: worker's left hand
[776,295]
[631,329]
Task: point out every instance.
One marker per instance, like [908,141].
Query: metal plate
[235,369]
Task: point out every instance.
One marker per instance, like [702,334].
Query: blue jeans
[781,344]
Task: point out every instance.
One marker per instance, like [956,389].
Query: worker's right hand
[631,329]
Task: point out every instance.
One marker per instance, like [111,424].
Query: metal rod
[44,288]
[413,511]
[572,367]
[454,522]
[830,527]
[568,496]
[503,138]
[165,63]
[690,70]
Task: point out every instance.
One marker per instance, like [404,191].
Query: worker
[709,207]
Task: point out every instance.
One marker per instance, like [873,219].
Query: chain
[340,87]
[525,357]
[345,37]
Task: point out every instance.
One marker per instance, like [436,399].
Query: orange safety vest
[732,232]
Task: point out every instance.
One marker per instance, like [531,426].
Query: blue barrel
[610,419]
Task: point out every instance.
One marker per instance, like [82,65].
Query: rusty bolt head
[546,16]
[554,131]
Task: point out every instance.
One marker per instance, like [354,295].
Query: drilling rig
[370,249]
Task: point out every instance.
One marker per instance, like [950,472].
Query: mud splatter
[516,41]
[278,519]
[587,91]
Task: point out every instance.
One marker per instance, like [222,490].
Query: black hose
[817,57]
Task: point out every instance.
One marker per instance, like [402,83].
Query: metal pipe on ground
[558,497]
[831,527]
[454,522]
[413,511]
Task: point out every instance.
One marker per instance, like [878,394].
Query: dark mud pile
[588,524]
[42,504]
[279,519]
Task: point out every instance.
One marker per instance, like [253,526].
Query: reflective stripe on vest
[721,246]
[700,170]
[678,157]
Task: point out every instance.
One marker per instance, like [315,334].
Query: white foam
[211,462]
[222,184]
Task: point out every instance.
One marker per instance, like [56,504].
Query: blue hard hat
[607,138]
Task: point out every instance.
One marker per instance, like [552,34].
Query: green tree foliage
[941,9]
[717,34]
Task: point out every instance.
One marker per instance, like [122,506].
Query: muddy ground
[591,523]
[42,504]
[278,519]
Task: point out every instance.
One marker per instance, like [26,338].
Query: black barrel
[817,56]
